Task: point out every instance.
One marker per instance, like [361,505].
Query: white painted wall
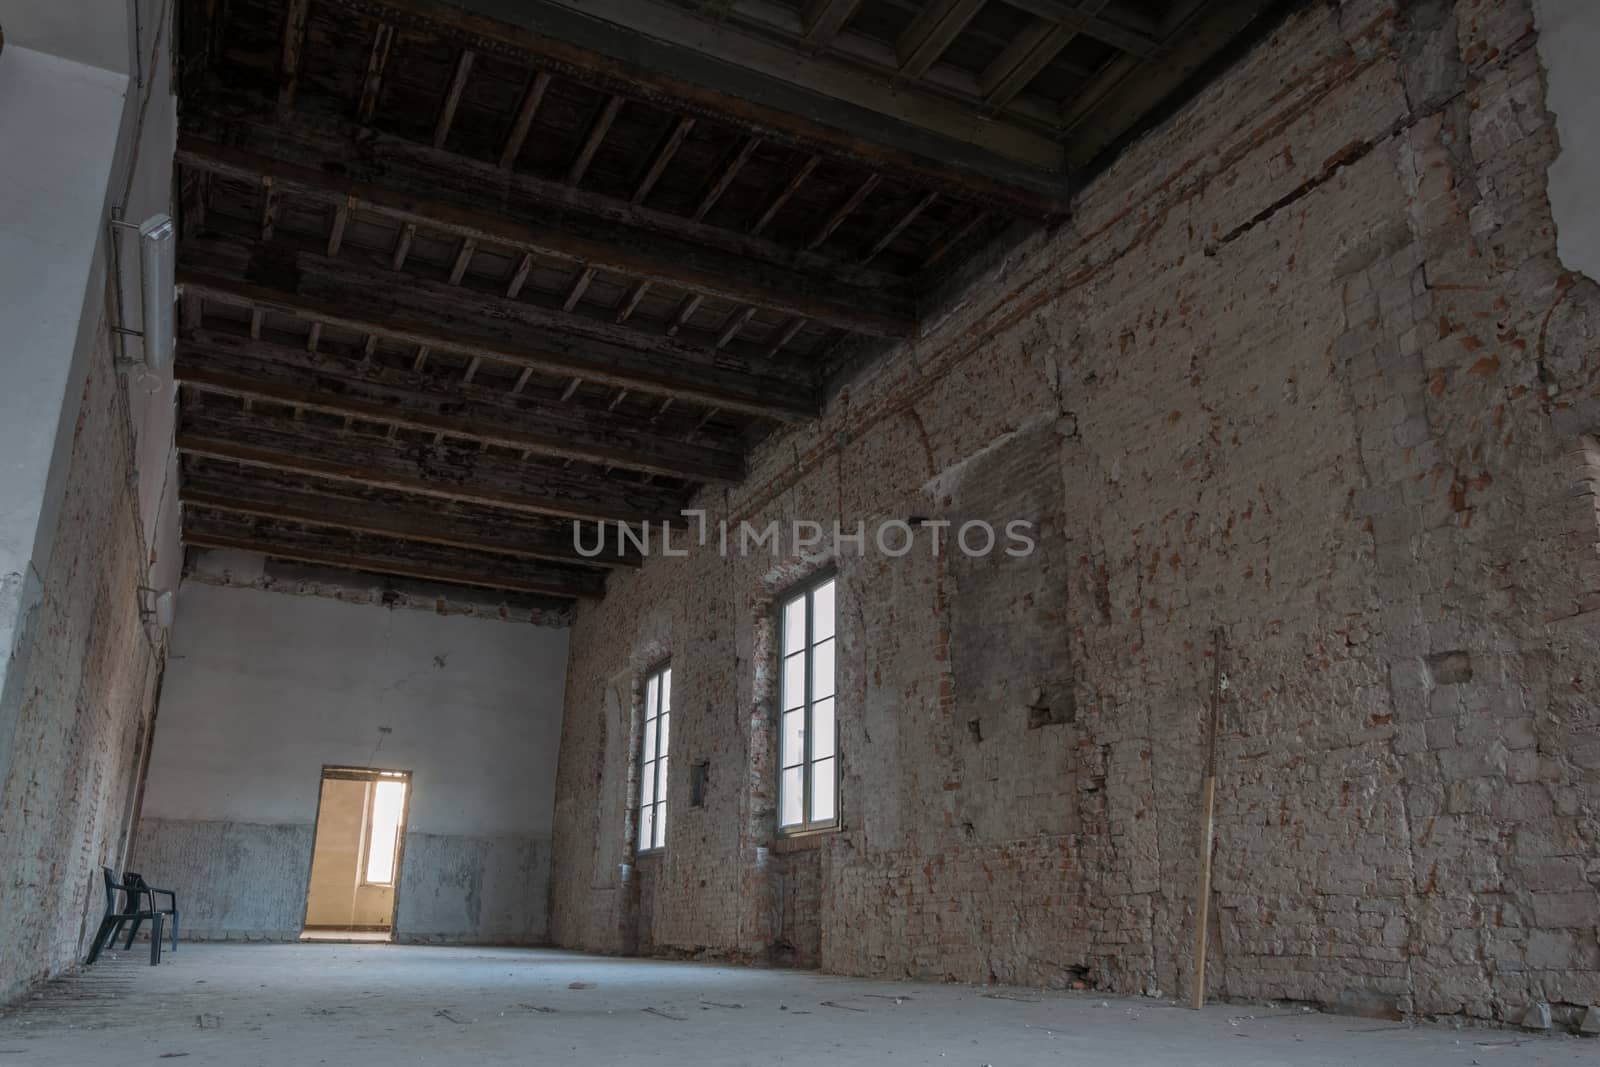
[264,688]
[1569,41]
[79,137]
[53,192]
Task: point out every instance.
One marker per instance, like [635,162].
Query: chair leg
[106,932]
[174,929]
[133,933]
[155,939]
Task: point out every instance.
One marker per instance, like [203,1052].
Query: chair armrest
[169,894]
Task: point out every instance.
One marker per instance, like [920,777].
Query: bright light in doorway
[383,839]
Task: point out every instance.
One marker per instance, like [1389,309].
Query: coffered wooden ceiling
[454,275]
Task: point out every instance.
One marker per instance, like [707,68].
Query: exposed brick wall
[1302,366]
[85,710]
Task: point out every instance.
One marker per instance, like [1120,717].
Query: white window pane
[822,670]
[666,689]
[388,806]
[794,625]
[665,723]
[647,784]
[789,797]
[661,782]
[822,729]
[649,740]
[822,788]
[793,749]
[661,825]
[647,827]
[794,681]
[650,692]
[822,611]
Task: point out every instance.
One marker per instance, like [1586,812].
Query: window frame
[654,676]
[807,826]
[369,832]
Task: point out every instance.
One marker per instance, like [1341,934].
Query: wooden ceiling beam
[665,56]
[1029,53]
[464,208]
[899,227]
[294,42]
[372,81]
[442,471]
[726,177]
[825,18]
[658,165]
[591,144]
[1131,87]
[452,97]
[1128,32]
[382,555]
[240,367]
[421,520]
[412,311]
[524,120]
[931,32]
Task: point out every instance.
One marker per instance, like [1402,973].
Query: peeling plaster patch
[948,481]
[1569,38]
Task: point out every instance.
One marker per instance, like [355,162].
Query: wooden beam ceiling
[458,273]
[446,470]
[243,495]
[410,559]
[399,308]
[241,367]
[644,55]
[469,202]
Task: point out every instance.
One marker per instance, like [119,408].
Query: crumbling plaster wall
[87,127]
[1303,366]
[86,699]
[265,687]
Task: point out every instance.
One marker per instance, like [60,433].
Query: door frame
[362,774]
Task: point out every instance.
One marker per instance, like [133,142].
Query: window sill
[804,840]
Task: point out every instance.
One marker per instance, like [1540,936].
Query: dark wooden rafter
[524,120]
[1150,69]
[796,179]
[597,134]
[225,487]
[572,44]
[294,38]
[663,157]
[260,370]
[442,470]
[931,32]
[842,212]
[407,310]
[725,179]
[825,18]
[1088,20]
[377,63]
[210,528]
[452,97]
[1031,51]
[900,225]
[461,210]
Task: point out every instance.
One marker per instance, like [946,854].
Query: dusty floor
[353,1005]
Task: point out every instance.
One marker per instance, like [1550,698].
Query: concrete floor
[354,1005]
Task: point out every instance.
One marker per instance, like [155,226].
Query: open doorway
[355,861]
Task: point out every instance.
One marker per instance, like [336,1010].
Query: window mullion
[805,717]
